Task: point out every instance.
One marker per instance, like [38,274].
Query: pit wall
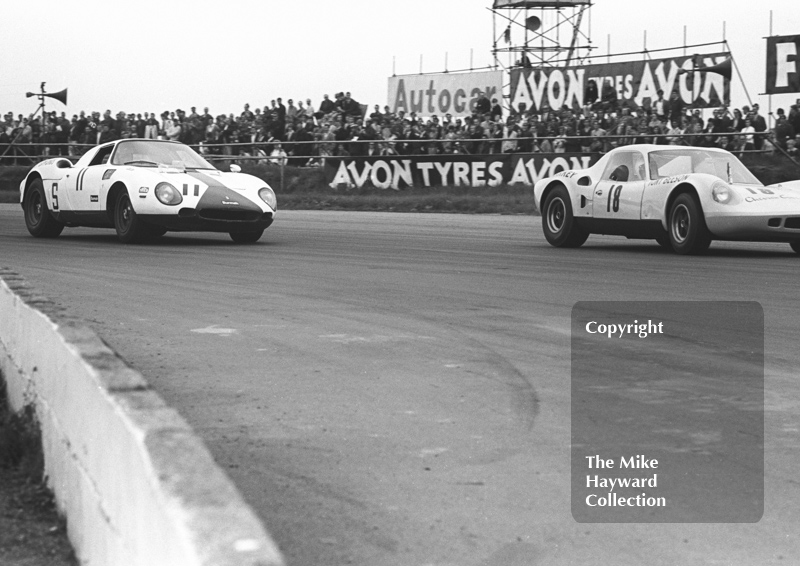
[135,483]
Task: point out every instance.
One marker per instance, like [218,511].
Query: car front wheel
[246,237]
[38,219]
[130,228]
[558,222]
[688,233]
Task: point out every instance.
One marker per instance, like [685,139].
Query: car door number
[53,193]
[613,198]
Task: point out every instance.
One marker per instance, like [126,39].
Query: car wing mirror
[235,168]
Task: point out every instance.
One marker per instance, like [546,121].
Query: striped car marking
[186,190]
[79,183]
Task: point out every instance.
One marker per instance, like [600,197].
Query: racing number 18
[613,198]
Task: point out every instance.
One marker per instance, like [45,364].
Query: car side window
[102,155]
[624,166]
[618,167]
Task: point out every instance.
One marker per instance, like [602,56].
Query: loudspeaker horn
[61,96]
[533,23]
[723,69]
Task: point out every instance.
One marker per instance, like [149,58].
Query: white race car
[144,188]
[683,197]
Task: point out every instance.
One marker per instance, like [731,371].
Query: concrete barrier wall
[136,484]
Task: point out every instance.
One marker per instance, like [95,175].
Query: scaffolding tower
[541,33]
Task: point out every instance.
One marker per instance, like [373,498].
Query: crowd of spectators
[301,134]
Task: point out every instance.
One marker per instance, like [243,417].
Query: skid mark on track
[374,339]
[215,329]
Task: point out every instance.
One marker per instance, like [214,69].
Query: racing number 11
[613,198]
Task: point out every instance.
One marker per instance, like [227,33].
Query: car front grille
[231,215]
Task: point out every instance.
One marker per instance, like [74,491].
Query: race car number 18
[613,199]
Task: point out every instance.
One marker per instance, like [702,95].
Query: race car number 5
[613,198]
[53,192]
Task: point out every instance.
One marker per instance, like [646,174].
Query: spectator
[783,130]
[483,105]
[510,145]
[748,135]
[278,156]
[497,110]
[326,106]
[760,125]
[173,131]
[291,111]
[675,107]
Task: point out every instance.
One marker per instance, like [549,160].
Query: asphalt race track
[394,389]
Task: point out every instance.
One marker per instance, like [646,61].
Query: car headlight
[167,194]
[268,196]
[724,194]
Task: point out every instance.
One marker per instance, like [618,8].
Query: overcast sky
[168,54]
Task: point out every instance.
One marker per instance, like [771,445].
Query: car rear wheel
[130,228]
[246,237]
[664,242]
[688,233]
[38,218]
[558,222]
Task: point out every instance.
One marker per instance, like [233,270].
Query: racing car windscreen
[725,166]
[155,153]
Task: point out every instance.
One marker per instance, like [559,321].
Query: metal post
[684,41]
[769,96]
[608,48]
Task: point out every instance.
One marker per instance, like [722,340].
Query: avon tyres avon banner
[637,82]
[783,65]
[440,94]
[450,170]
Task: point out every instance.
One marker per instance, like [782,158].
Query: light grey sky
[151,56]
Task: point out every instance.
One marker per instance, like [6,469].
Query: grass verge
[31,531]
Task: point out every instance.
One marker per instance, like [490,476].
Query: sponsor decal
[776,197]
[451,170]
[783,64]
[229,201]
[443,93]
[667,180]
[94,198]
[632,81]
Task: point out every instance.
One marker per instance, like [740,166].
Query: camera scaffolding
[541,33]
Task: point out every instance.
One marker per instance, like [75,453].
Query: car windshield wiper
[141,162]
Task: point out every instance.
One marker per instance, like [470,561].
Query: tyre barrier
[137,486]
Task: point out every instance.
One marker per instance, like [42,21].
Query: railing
[31,153]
